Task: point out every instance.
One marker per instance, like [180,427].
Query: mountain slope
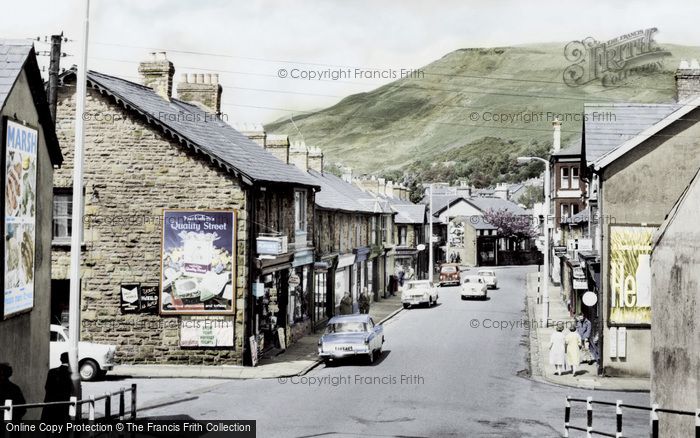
[448,113]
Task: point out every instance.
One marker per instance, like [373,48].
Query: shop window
[300,211]
[320,297]
[564,180]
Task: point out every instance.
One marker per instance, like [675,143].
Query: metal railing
[75,406]
[654,411]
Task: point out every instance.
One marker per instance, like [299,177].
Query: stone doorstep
[539,364]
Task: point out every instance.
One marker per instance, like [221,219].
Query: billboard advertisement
[630,274]
[198,262]
[21,143]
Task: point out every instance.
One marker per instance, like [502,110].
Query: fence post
[73,408]
[8,410]
[654,421]
[697,423]
[121,404]
[108,406]
[589,416]
[133,401]
[618,414]
[567,416]
[91,409]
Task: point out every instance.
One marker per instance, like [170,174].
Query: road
[446,371]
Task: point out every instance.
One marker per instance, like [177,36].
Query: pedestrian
[573,348]
[10,391]
[346,304]
[583,327]
[411,273]
[557,350]
[59,387]
[364,301]
[402,276]
[392,285]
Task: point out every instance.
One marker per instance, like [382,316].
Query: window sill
[62,244]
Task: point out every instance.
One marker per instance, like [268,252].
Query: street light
[545,287]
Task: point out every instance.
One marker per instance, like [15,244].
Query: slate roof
[607,126]
[409,214]
[580,218]
[337,194]
[573,149]
[201,131]
[18,55]
[485,204]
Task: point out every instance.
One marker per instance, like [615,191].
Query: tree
[531,195]
[511,226]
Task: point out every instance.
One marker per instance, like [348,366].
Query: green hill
[447,115]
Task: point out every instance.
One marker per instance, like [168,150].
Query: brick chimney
[157,73]
[202,89]
[278,145]
[299,155]
[253,131]
[347,175]
[316,159]
[389,188]
[687,80]
[501,191]
[556,139]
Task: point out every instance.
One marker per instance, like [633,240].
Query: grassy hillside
[447,115]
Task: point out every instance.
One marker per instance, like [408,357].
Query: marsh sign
[612,62]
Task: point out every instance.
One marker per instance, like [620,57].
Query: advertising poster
[630,274]
[204,331]
[198,262]
[21,144]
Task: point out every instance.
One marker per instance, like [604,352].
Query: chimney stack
[278,145]
[316,159]
[202,89]
[347,175]
[687,80]
[299,155]
[157,73]
[556,141]
[253,131]
[501,191]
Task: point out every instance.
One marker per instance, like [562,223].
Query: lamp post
[545,286]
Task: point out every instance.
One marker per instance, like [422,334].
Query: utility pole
[430,238]
[77,218]
[54,66]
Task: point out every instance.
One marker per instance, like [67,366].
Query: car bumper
[415,301]
[339,354]
[474,294]
[449,283]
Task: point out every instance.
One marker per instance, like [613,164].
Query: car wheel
[406,306]
[89,370]
[327,362]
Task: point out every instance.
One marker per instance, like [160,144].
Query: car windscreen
[448,269]
[347,327]
[487,274]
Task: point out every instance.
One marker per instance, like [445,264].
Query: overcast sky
[251,40]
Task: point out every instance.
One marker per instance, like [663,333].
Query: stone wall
[137,172]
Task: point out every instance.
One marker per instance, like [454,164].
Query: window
[300,211]
[574,209]
[402,235]
[564,211]
[383,229]
[373,230]
[62,211]
[320,304]
[564,178]
[574,178]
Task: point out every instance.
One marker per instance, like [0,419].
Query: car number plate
[344,348]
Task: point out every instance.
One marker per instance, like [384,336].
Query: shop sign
[149,298]
[198,260]
[271,245]
[559,250]
[630,274]
[129,298]
[21,143]
[302,258]
[589,299]
[206,331]
[580,284]
[345,260]
[258,290]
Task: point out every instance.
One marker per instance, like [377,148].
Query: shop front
[299,281]
[343,280]
[322,293]
[271,303]
[360,275]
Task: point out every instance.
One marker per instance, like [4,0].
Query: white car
[489,276]
[474,286]
[419,292]
[95,359]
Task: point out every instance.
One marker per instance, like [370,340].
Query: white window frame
[564,178]
[574,178]
[300,211]
[64,193]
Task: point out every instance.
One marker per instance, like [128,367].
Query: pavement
[457,369]
[297,360]
[587,374]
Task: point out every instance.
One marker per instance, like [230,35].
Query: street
[438,376]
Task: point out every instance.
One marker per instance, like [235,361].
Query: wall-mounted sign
[206,331]
[580,284]
[630,274]
[589,298]
[621,342]
[149,298]
[21,143]
[612,342]
[129,298]
[345,260]
[253,345]
[271,245]
[559,250]
[198,260]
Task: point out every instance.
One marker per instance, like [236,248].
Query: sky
[249,42]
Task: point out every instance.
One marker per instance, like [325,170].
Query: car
[94,361]
[474,286]
[450,274]
[489,276]
[351,335]
[419,292]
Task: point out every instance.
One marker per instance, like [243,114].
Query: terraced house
[197,240]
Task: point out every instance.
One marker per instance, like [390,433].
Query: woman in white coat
[557,350]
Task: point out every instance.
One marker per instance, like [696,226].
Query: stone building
[155,167]
[30,151]
[675,331]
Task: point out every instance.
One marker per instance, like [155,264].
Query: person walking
[364,301]
[392,285]
[58,388]
[583,327]
[573,348]
[10,391]
[346,304]
[557,350]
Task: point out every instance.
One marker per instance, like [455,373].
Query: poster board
[206,331]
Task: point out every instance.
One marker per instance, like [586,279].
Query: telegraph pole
[54,65]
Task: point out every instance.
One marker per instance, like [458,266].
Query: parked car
[450,274]
[474,286]
[419,292]
[351,335]
[489,276]
[94,359]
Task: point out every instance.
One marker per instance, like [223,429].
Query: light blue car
[351,335]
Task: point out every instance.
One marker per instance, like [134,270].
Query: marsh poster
[197,262]
[20,217]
